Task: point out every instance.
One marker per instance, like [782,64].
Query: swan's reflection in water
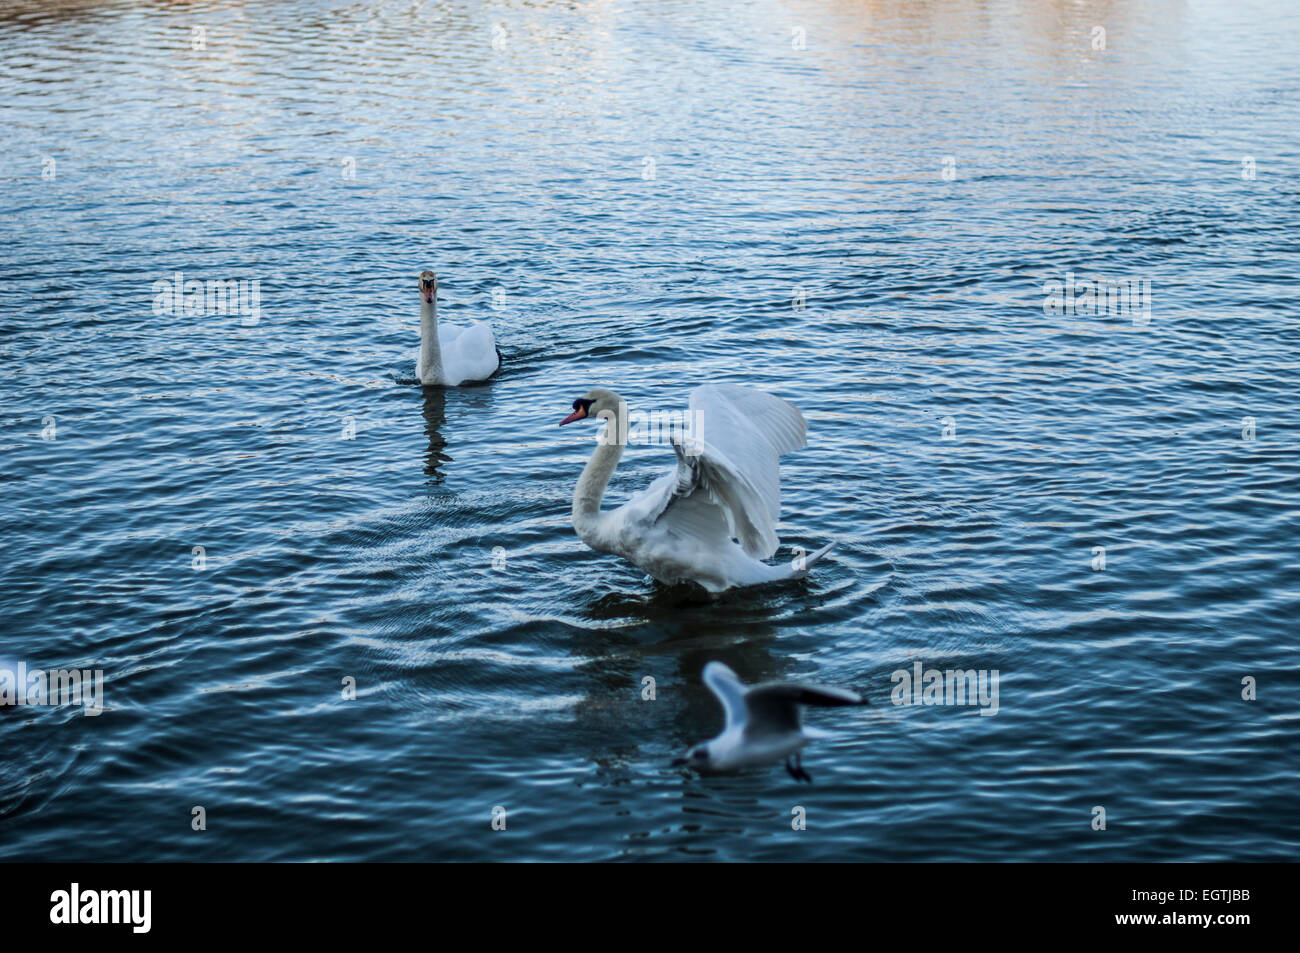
[435,417]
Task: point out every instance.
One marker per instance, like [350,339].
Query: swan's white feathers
[731,408]
[712,519]
[689,516]
[469,353]
[744,433]
[741,435]
[735,509]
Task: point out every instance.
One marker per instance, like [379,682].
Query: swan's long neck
[591,485]
[430,349]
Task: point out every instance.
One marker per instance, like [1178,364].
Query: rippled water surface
[648,196]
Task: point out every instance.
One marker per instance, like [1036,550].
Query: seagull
[763,723]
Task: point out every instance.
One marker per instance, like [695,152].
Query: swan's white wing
[468,353]
[735,466]
[779,421]
[672,504]
[448,334]
[752,430]
[730,690]
[714,503]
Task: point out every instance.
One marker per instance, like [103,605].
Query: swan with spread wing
[712,519]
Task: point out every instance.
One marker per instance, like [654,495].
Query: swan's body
[711,520]
[763,723]
[450,356]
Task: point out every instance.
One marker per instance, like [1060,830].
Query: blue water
[648,196]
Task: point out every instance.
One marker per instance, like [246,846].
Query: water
[666,194]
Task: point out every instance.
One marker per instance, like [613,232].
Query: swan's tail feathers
[796,568]
[800,565]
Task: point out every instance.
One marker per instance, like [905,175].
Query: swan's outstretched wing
[730,690]
[752,430]
[734,466]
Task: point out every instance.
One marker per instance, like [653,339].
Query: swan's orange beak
[581,410]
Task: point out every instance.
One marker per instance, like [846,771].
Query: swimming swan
[451,356]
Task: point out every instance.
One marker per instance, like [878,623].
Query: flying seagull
[763,723]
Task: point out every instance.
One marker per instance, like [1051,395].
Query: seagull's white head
[700,758]
[591,404]
[428,285]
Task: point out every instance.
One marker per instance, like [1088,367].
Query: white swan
[451,356]
[712,520]
[763,724]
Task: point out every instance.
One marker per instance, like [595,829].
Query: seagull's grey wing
[730,690]
[774,706]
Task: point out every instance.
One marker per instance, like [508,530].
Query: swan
[711,520]
[764,723]
[451,356]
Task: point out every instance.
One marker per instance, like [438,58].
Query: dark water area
[860,207]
